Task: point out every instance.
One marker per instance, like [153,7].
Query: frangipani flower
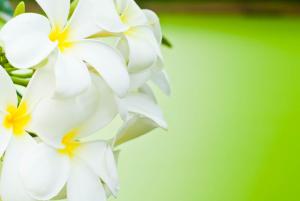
[38,109]
[140,114]
[15,120]
[30,38]
[83,167]
[139,109]
[140,41]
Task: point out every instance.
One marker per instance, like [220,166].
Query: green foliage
[20,9]
[5,7]
[166,42]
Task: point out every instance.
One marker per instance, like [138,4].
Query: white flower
[82,167]
[140,114]
[140,40]
[29,38]
[14,121]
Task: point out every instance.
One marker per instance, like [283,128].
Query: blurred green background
[233,116]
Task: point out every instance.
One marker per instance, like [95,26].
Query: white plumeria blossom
[15,120]
[40,111]
[30,38]
[139,109]
[140,38]
[46,170]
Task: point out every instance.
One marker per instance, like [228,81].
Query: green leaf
[20,9]
[166,42]
[73,6]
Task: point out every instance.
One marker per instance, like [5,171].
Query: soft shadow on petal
[44,172]
[11,185]
[84,184]
[72,76]
[107,62]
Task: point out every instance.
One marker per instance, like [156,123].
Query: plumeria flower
[140,114]
[39,108]
[140,41]
[82,167]
[30,38]
[15,120]
[155,74]
[64,159]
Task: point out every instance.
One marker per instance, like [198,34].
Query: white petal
[153,22]
[41,85]
[161,79]
[11,185]
[83,184]
[107,62]
[133,15]
[107,16]
[72,76]
[26,40]
[5,137]
[146,89]
[140,78]
[44,172]
[143,48]
[145,106]
[56,10]
[53,118]
[83,21]
[100,158]
[133,128]
[104,111]
[8,95]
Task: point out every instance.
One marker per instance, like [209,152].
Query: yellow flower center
[124,18]
[70,144]
[17,118]
[61,37]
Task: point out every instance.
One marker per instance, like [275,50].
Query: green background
[233,116]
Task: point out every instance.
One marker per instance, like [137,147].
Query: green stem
[20,81]
[19,75]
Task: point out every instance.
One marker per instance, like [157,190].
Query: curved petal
[83,184]
[5,137]
[145,106]
[140,78]
[107,62]
[41,85]
[104,111]
[143,48]
[72,76]
[26,40]
[8,95]
[99,157]
[161,79]
[133,128]
[131,13]
[146,90]
[56,10]
[153,22]
[107,16]
[11,186]
[83,21]
[54,117]
[44,172]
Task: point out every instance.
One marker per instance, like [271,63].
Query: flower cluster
[80,68]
